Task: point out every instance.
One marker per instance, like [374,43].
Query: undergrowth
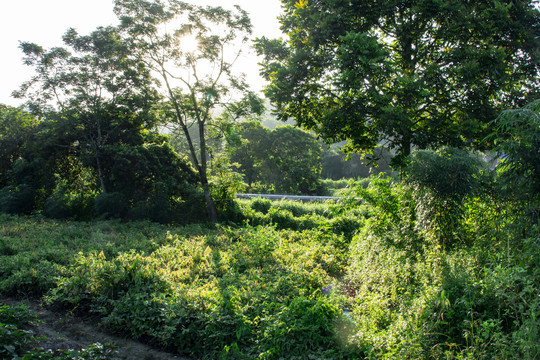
[376,275]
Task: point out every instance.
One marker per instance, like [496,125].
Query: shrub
[17,199]
[12,337]
[111,205]
[65,203]
[442,182]
[261,205]
[300,327]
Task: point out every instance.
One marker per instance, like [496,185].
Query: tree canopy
[404,74]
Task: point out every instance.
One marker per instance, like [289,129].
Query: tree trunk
[100,174]
[210,205]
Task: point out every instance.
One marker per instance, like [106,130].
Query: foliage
[111,205]
[404,74]
[295,161]
[17,199]
[337,165]
[59,178]
[517,136]
[64,203]
[97,132]
[443,264]
[15,339]
[16,127]
[238,288]
[93,93]
[442,182]
[225,184]
[285,160]
[197,40]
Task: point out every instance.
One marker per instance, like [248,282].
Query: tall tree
[402,73]
[286,159]
[192,50]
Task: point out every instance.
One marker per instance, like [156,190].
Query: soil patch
[67,331]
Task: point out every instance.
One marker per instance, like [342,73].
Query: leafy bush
[13,338]
[66,203]
[16,340]
[30,278]
[111,205]
[442,181]
[261,205]
[17,199]
[517,140]
[301,327]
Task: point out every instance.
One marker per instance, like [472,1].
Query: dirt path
[65,331]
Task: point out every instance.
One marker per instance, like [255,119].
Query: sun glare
[189,44]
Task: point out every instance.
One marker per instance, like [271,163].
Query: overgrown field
[375,277]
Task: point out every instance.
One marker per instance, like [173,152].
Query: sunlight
[189,44]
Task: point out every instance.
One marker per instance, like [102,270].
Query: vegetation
[99,216]
[402,74]
[397,269]
[285,160]
[192,50]
[16,338]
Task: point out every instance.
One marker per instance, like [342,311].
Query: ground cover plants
[205,292]
[280,289]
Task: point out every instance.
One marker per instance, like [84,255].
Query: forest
[119,179]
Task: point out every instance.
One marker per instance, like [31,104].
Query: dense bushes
[431,284]
[55,166]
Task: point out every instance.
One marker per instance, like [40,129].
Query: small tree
[442,182]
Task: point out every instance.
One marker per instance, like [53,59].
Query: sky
[45,21]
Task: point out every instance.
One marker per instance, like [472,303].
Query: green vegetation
[402,74]
[285,160]
[396,269]
[99,216]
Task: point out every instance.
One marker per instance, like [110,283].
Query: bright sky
[45,21]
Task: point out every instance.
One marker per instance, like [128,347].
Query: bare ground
[67,331]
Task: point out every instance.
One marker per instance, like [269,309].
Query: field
[283,281]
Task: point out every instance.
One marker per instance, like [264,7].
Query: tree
[517,138]
[338,165]
[16,127]
[286,159]
[404,74]
[92,91]
[191,49]
[295,157]
[250,152]
[98,133]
